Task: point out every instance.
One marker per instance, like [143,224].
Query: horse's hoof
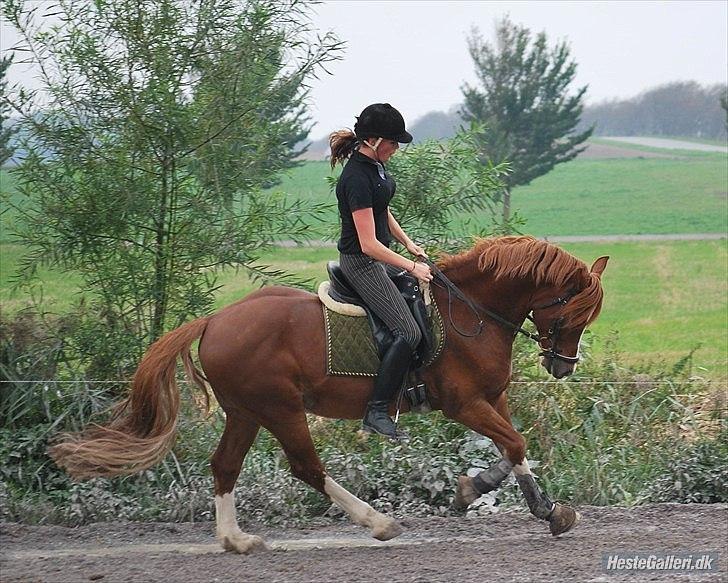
[465,494]
[563,519]
[389,529]
[244,544]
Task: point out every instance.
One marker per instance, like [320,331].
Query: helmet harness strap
[375,145]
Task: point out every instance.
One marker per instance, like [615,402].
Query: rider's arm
[399,234]
[365,230]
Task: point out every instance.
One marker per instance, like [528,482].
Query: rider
[364,190]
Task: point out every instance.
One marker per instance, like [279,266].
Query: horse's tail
[142,429]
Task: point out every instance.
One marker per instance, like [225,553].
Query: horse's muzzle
[557,368]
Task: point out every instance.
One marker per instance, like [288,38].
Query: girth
[410,290]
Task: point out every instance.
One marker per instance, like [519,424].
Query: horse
[264,358]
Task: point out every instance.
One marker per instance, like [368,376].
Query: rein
[477,309]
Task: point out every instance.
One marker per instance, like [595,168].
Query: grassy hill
[684,192]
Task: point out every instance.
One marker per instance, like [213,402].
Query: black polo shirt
[364,183]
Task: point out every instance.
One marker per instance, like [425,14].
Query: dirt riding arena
[503,547]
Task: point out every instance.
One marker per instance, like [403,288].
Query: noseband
[552,335]
[550,351]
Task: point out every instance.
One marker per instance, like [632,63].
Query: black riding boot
[392,369]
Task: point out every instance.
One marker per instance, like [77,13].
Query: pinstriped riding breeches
[371,281]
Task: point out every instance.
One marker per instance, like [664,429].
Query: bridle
[552,336]
[549,351]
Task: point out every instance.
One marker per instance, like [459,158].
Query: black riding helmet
[381,120]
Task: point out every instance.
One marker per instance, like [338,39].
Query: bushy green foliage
[696,471]
[5,132]
[609,435]
[610,431]
[159,125]
[436,181]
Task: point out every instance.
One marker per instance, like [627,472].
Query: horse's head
[559,292]
[562,313]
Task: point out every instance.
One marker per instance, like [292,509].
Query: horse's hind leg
[296,440]
[226,462]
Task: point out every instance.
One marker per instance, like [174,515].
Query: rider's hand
[422,272]
[416,250]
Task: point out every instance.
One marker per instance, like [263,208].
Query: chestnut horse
[264,358]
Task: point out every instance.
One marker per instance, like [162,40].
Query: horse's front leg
[483,417]
[561,518]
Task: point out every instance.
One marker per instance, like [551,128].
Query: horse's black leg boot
[392,370]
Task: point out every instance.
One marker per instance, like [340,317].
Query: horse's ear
[600,265]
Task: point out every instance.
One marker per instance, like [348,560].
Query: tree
[525,104]
[162,122]
[724,105]
[436,180]
[5,132]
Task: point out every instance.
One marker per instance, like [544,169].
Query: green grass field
[685,194]
[628,196]
[662,299]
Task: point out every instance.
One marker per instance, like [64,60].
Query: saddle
[409,287]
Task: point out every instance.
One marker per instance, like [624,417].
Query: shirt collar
[359,157]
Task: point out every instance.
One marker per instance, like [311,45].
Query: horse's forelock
[585,306]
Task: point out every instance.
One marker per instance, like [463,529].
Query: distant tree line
[681,108]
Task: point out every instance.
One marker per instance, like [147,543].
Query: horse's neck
[509,298]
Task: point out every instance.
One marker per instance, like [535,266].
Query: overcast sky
[414,55]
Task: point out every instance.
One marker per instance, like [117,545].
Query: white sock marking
[522,469]
[361,513]
[225,516]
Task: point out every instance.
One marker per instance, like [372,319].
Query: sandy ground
[502,547]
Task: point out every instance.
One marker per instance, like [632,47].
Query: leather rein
[477,309]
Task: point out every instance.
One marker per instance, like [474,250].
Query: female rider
[364,190]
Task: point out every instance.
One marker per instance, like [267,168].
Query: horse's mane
[520,257]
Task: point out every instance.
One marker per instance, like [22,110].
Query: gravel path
[666,144]
[503,547]
[574,239]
